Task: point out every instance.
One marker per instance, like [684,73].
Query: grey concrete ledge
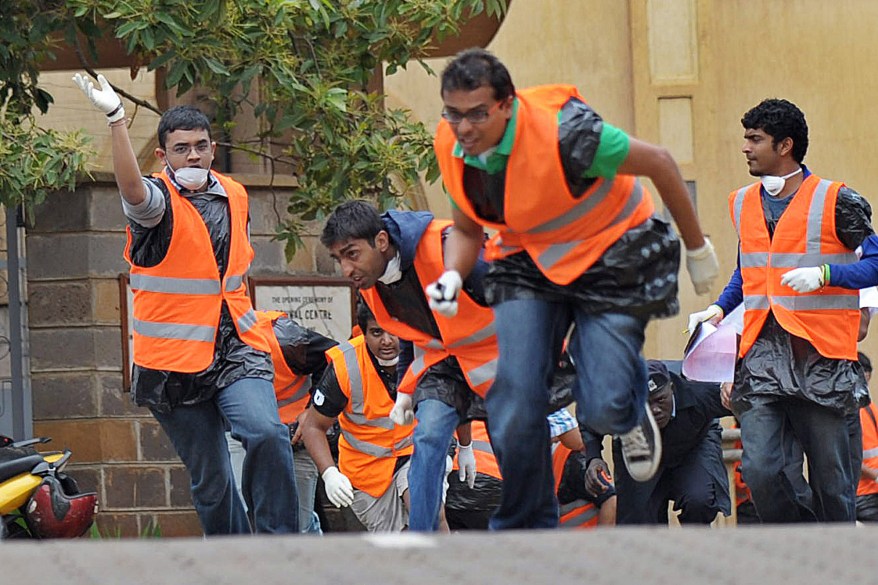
[798,554]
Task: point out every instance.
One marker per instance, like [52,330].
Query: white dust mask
[387,363]
[774,185]
[393,272]
[192,178]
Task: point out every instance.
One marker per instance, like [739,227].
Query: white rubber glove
[402,412]
[338,487]
[443,293]
[703,267]
[104,99]
[712,314]
[804,280]
[466,461]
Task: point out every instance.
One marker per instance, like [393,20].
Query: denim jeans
[610,391]
[269,488]
[436,424]
[770,431]
[306,483]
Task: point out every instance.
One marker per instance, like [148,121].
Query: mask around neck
[774,184]
[191,178]
[387,363]
[393,272]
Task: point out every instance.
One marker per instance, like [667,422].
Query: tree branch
[88,68]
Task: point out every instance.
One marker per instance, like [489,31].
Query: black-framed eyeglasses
[185,149]
[475,116]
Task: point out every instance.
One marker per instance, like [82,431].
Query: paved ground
[798,555]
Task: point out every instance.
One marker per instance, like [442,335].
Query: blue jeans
[436,424]
[306,483]
[771,432]
[610,392]
[269,488]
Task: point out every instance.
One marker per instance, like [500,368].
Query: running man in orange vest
[577,241]
[199,359]
[449,363]
[806,246]
[359,389]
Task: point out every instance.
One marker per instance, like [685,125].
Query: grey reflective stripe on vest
[739,206]
[556,252]
[580,519]
[483,446]
[405,442]
[234,282]
[754,259]
[793,260]
[803,303]
[869,453]
[175,331]
[174,286]
[298,395]
[366,447]
[360,419]
[585,205]
[480,335]
[817,302]
[484,373]
[756,302]
[417,365]
[357,398]
[247,321]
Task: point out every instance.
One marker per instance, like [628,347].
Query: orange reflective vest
[292,391]
[805,235]
[563,233]
[177,302]
[578,513]
[469,337]
[370,442]
[486,462]
[868,418]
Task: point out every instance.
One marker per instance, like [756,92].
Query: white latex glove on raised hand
[712,314]
[338,487]
[443,293]
[703,267]
[105,99]
[402,412]
[804,280]
[466,461]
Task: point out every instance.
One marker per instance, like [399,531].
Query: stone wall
[74,259]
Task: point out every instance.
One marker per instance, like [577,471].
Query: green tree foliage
[309,64]
[35,161]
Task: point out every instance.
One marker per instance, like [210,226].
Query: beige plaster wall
[681,73]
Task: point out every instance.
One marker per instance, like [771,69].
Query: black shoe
[642,449]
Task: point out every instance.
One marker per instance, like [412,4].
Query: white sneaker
[642,449]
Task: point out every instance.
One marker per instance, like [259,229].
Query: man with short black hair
[806,247]
[577,241]
[449,364]
[359,390]
[200,361]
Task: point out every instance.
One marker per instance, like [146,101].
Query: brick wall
[74,259]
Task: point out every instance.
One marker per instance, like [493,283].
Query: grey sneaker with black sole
[642,448]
